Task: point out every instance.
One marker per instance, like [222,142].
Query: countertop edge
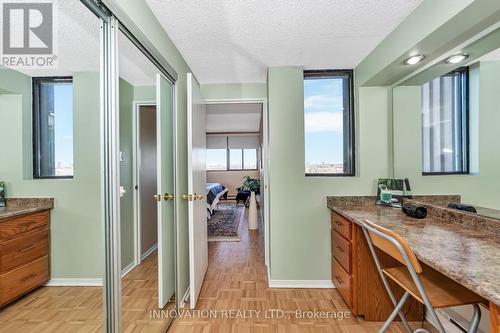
[493,298]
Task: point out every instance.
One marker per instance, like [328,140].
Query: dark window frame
[464,73]
[36,114]
[348,116]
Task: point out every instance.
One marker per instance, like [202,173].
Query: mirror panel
[446,127]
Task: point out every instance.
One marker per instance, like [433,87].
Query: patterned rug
[226,222]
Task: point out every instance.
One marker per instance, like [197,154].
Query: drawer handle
[339,279]
[27,248]
[340,249]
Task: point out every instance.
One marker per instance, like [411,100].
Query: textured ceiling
[227,41]
[233,117]
[77,47]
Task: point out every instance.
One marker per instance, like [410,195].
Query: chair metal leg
[476,318]
[396,312]
[384,280]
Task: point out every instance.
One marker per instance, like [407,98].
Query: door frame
[265,163]
[136,180]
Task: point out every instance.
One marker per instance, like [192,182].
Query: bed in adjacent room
[215,191]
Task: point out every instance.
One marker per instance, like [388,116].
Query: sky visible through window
[323,108]
[63,128]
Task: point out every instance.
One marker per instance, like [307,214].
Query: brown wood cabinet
[356,278]
[24,254]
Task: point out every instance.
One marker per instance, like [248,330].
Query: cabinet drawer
[23,279]
[341,225]
[342,281]
[21,250]
[16,226]
[341,250]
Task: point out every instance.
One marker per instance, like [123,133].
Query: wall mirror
[446,125]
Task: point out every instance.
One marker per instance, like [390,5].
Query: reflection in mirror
[147,223]
[50,165]
[446,128]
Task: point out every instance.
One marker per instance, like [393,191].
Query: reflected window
[53,127]
[445,124]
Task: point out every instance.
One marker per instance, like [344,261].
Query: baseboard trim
[299,284]
[148,252]
[74,282]
[129,268]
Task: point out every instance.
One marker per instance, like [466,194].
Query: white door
[165,195]
[197,211]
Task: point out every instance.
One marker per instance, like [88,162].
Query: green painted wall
[234,91]
[76,239]
[126,172]
[482,187]
[299,219]
[143,17]
[145,93]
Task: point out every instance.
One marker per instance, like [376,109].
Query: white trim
[74,282]
[185,298]
[310,284]
[128,269]
[136,179]
[148,252]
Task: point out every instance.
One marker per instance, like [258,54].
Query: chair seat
[442,291]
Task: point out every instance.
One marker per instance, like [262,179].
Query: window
[445,124]
[53,127]
[216,159]
[329,123]
[231,159]
[250,159]
[236,159]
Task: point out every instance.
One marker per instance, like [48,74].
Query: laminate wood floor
[79,309]
[237,280]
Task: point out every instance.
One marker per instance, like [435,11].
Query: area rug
[226,223]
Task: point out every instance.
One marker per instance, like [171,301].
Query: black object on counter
[460,206]
[418,212]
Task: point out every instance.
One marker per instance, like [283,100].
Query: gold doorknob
[188,197]
[157,197]
[198,196]
[168,196]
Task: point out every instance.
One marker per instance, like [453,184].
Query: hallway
[237,280]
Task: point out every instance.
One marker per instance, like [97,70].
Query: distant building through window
[53,127]
[231,159]
[329,123]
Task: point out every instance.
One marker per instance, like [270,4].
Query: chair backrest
[386,240]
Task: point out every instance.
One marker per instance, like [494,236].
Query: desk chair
[429,287]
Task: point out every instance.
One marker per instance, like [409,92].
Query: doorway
[146,238]
[221,113]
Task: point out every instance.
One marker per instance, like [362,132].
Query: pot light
[414,59]
[455,59]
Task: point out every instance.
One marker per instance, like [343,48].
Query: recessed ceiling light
[455,59]
[414,59]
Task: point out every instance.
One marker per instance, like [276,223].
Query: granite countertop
[21,206]
[467,254]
